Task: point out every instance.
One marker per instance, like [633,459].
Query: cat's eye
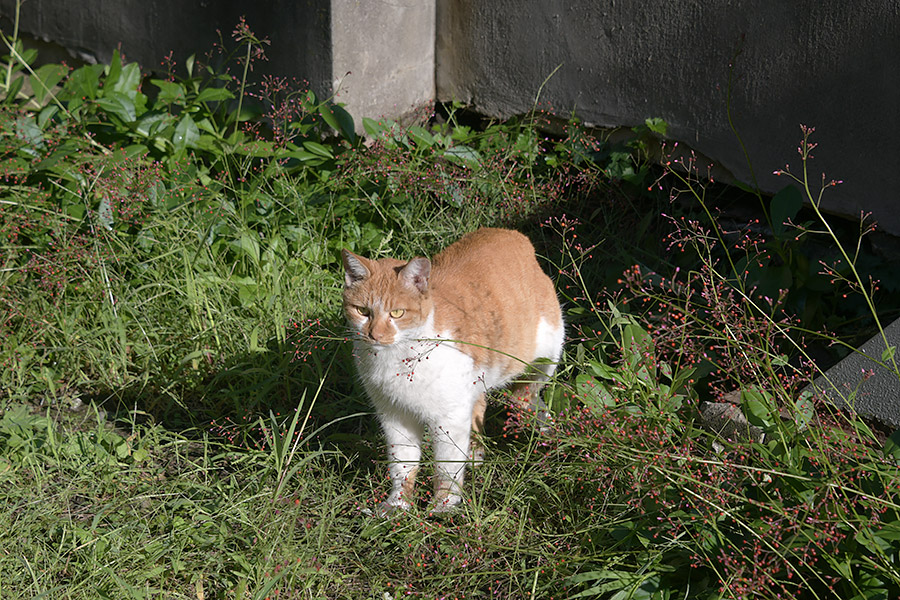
[397,313]
[363,310]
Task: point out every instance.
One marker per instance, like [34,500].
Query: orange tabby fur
[432,336]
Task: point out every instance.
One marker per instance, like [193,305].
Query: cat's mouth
[376,343]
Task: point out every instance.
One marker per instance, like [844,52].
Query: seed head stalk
[815,201]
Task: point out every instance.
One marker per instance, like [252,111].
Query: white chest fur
[428,378]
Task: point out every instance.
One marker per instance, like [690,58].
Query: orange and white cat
[431,337]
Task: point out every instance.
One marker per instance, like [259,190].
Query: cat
[432,336]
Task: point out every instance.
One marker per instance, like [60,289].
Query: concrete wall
[378,57]
[828,64]
[821,63]
[147,30]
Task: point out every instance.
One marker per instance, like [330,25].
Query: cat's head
[386,301]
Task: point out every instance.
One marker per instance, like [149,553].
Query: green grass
[179,416]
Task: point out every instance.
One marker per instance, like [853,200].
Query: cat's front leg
[451,453]
[403,436]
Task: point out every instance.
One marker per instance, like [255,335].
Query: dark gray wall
[147,30]
[831,64]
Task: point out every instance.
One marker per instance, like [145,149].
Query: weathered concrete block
[859,383]
[725,420]
[382,56]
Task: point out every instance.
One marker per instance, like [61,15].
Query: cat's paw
[542,415]
[545,421]
[448,504]
[388,508]
[476,454]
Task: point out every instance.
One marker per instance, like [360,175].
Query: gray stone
[727,421]
[861,384]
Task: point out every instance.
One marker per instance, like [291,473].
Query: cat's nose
[380,336]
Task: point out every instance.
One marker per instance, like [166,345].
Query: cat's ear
[355,269]
[416,273]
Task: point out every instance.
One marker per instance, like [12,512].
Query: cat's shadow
[311,372]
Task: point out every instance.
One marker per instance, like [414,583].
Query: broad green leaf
[887,355]
[674,403]
[875,544]
[151,123]
[339,120]
[617,317]
[45,78]
[420,136]
[804,412]
[113,70]
[657,125]
[208,126]
[463,155]
[605,371]
[785,205]
[46,114]
[318,149]
[105,214]
[214,95]
[665,370]
[646,589]
[780,360]
[250,246]
[889,531]
[28,131]
[236,138]
[639,349]
[593,393]
[129,81]
[758,407]
[258,149]
[83,83]
[372,127]
[13,90]
[186,133]
[891,449]
[118,104]
[136,151]
[16,166]
[29,55]
[74,207]
[169,92]
[247,294]
[207,142]
[307,158]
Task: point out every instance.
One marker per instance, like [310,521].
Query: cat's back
[491,266]
[488,289]
[476,253]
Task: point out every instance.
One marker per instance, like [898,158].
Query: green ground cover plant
[178,411]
